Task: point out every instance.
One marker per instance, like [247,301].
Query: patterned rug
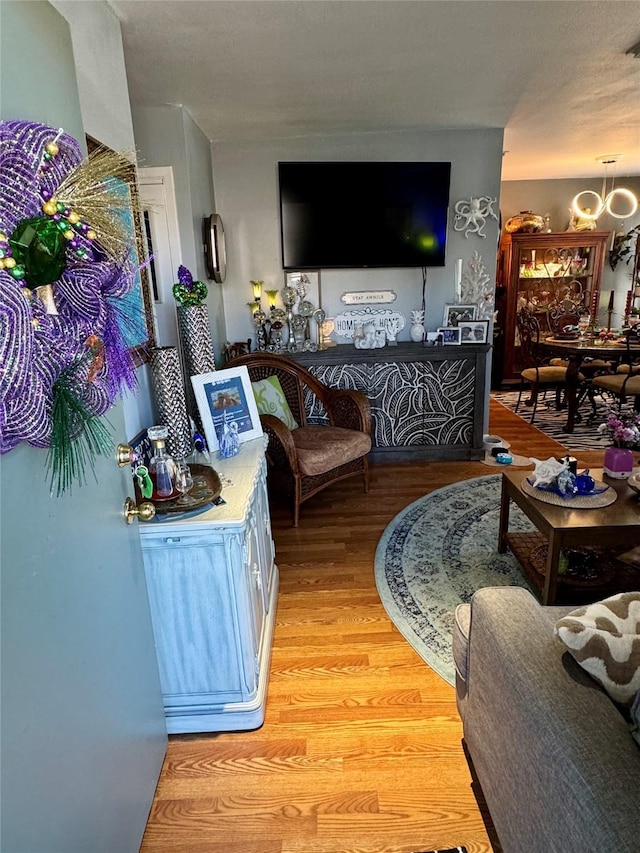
[435,554]
[549,420]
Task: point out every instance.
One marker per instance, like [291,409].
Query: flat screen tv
[364,214]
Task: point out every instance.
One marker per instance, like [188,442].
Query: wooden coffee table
[615,525]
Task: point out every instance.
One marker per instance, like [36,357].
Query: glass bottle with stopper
[161,465]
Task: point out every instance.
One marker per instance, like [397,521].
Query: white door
[157,200]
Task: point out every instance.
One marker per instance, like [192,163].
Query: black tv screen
[348,215]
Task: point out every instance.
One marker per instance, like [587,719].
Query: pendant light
[605,200]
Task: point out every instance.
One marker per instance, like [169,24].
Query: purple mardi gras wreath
[65,265]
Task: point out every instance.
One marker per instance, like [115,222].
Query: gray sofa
[554,756]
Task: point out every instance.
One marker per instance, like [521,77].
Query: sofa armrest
[554,755]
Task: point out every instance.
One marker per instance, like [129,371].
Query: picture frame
[450,335]
[473,331]
[453,314]
[227,392]
[139,330]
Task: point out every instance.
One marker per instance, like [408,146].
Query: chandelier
[606,200]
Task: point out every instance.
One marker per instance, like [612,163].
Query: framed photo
[226,393]
[450,335]
[453,314]
[473,331]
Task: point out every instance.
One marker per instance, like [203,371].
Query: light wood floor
[361,747]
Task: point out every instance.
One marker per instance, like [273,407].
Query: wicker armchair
[307,459]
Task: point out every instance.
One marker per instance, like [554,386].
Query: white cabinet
[213,587]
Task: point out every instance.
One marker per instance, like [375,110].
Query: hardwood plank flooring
[361,748]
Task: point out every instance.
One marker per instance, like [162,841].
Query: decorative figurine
[470,216]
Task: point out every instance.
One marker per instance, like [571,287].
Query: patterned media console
[426,402]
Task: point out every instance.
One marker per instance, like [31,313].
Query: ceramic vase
[417,327]
[618,462]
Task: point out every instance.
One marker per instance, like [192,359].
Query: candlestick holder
[609,315]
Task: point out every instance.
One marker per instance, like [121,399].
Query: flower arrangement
[622,430]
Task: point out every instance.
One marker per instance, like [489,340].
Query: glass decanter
[161,465]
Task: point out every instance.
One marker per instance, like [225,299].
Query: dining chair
[625,382]
[538,372]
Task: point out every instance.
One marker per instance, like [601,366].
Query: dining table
[575,352]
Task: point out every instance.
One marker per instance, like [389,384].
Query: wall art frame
[227,393]
[454,313]
[473,331]
[140,331]
[450,335]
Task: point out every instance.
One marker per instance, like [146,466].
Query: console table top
[403,351]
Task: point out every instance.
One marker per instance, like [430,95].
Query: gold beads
[9,263]
[50,207]
[73,217]
[51,148]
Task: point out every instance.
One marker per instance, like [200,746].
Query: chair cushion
[625,368]
[546,374]
[322,448]
[615,382]
[270,400]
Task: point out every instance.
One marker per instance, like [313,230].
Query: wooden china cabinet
[540,271]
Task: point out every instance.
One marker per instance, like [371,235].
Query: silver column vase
[171,403]
[197,349]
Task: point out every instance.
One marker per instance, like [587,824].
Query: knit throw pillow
[270,400]
[604,638]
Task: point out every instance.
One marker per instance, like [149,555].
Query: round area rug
[435,554]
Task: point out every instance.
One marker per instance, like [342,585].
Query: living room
[387,715]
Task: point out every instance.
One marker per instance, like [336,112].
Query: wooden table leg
[504,517]
[572,384]
[551,576]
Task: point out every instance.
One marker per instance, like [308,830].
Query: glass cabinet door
[554,277]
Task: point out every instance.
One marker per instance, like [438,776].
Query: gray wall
[554,198]
[168,136]
[247,199]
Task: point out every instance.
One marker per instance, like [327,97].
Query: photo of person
[450,335]
[227,400]
[473,332]
[456,314]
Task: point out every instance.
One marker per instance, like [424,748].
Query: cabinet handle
[170,539]
[257,576]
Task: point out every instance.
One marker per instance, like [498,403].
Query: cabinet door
[198,592]
[548,272]
[266,548]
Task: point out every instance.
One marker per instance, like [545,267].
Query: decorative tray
[206,489]
[602,495]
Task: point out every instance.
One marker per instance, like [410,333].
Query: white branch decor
[477,288]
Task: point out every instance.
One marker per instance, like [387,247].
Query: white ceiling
[553,73]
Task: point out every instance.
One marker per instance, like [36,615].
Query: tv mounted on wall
[363,214]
